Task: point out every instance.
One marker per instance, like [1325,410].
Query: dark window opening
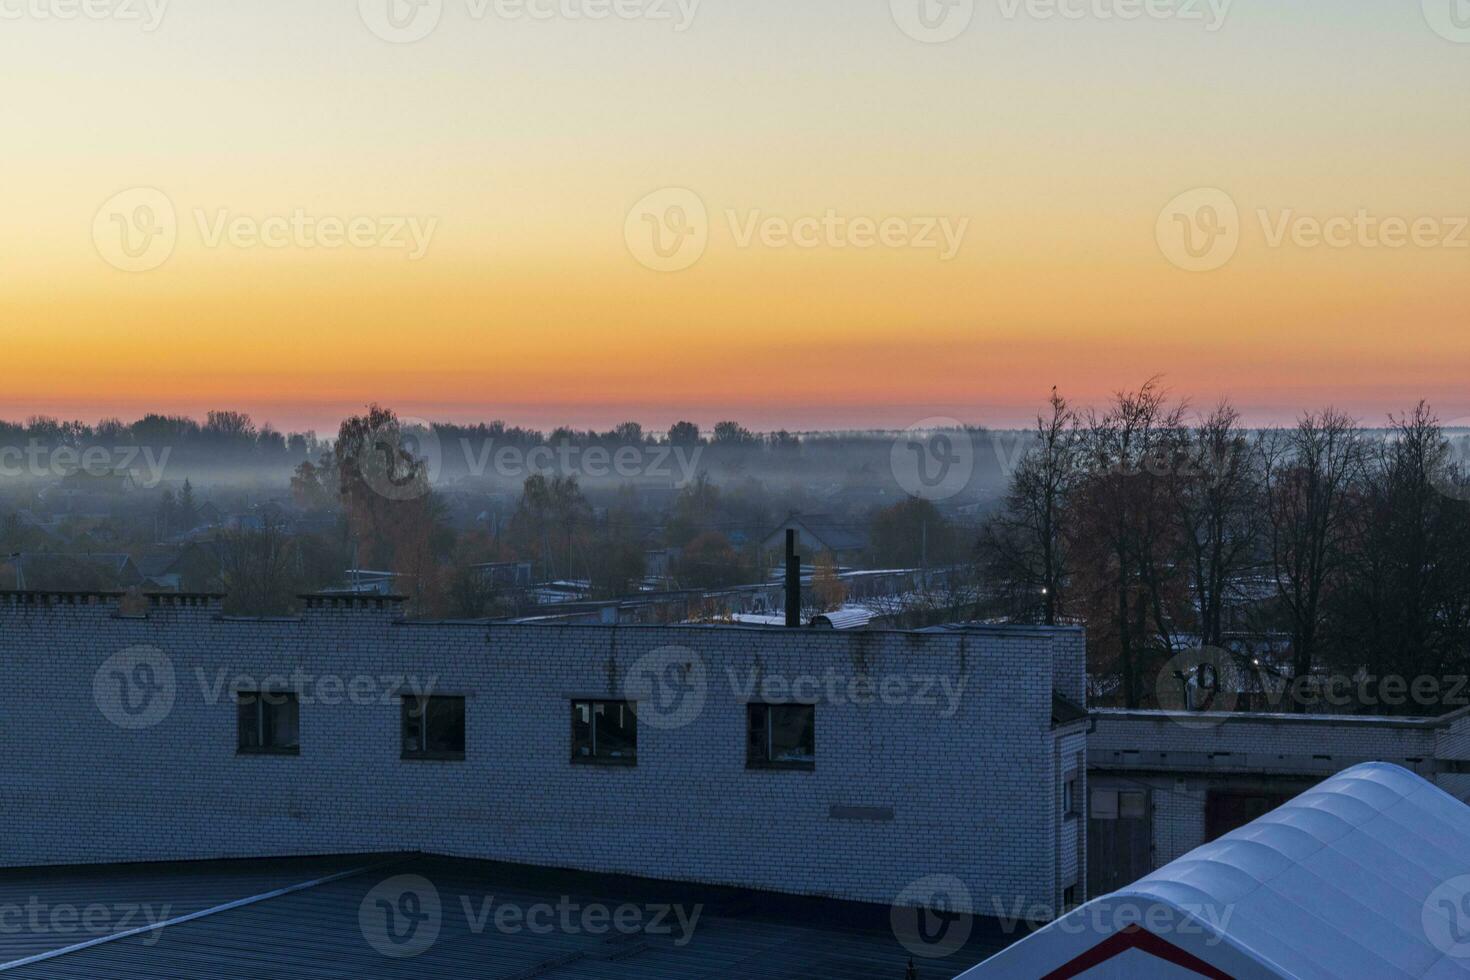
[433,728]
[782,736]
[604,733]
[269,723]
[1069,797]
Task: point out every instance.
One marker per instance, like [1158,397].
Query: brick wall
[900,789]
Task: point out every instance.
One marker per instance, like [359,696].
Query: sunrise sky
[527,142]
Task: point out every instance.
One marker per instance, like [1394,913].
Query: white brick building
[935,753]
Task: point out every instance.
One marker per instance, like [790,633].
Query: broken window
[268,722]
[782,736]
[433,727]
[604,732]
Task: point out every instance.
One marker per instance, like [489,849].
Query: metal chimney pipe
[793,581]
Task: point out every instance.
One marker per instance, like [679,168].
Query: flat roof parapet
[316,601]
[11,597]
[184,600]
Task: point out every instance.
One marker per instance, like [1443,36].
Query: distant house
[88,482]
[64,572]
[819,533]
[173,571]
[504,574]
[362,581]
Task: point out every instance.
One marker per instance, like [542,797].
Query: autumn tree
[828,591]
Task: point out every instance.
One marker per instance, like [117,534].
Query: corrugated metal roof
[329,931]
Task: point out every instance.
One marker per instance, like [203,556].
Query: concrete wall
[901,789]
[1180,760]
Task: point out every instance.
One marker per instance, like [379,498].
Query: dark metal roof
[1064,710]
[318,932]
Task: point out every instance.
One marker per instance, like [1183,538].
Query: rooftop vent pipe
[793,581]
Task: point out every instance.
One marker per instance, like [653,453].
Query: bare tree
[1215,497]
[1123,521]
[257,570]
[1311,474]
[1023,548]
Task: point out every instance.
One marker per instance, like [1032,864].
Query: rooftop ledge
[1275,718]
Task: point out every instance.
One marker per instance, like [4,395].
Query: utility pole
[924,554]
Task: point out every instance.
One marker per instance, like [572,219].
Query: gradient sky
[529,141]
